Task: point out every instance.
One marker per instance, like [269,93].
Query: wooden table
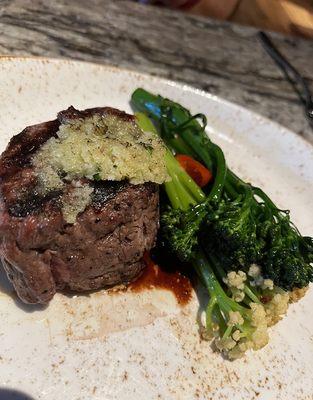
[221,58]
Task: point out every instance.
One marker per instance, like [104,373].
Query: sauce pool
[156,277]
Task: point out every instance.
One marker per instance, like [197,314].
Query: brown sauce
[158,277]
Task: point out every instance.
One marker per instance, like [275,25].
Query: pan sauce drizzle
[157,277]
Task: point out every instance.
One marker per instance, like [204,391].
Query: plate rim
[169,82]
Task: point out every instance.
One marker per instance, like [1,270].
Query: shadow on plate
[7,289]
[12,394]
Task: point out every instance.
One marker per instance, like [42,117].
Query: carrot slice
[196,170]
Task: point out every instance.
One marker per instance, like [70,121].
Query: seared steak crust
[41,253]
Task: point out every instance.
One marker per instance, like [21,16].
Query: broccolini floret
[287,257]
[180,230]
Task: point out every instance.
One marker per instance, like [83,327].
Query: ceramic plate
[144,345]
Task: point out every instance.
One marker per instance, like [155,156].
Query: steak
[43,253]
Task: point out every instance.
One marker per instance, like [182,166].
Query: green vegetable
[180,230]
[237,327]
[226,233]
[242,225]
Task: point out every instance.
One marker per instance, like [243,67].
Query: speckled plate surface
[145,346]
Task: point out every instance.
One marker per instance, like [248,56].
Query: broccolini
[244,249]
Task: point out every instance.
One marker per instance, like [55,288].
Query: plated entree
[80,208]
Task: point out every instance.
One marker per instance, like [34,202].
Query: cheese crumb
[75,202]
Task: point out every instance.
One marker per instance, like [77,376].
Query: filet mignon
[41,252]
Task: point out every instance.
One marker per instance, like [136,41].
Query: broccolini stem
[209,312]
[220,174]
[186,199]
[172,194]
[190,185]
[259,192]
[218,268]
[179,146]
[229,189]
[178,196]
[206,273]
[234,181]
[245,329]
[198,146]
[220,318]
[227,332]
[147,102]
[251,295]
[182,191]
[145,123]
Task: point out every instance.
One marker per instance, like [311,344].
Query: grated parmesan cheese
[98,148]
[75,202]
[102,148]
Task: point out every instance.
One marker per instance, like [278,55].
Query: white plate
[144,346]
